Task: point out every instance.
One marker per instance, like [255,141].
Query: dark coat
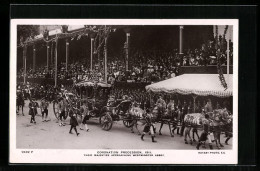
[73,121]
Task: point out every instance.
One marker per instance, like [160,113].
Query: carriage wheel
[106,122]
[55,109]
[128,122]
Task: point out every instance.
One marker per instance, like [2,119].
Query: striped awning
[198,84]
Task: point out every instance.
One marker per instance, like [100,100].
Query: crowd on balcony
[144,66]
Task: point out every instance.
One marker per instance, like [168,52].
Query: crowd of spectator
[144,66]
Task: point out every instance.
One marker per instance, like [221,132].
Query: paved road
[48,135]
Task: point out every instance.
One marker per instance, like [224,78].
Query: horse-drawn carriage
[100,104]
[125,110]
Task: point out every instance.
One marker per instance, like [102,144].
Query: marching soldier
[179,115]
[44,109]
[205,134]
[73,122]
[61,109]
[85,115]
[184,112]
[148,127]
[32,110]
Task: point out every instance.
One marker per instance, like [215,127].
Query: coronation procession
[124,87]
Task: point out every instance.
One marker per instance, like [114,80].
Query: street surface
[49,135]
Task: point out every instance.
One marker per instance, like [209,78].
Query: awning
[198,84]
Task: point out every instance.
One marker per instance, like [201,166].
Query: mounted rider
[161,105]
[208,107]
[171,108]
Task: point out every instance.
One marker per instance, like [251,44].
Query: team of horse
[220,119]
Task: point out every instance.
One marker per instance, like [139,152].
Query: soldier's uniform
[208,107]
[148,127]
[32,111]
[44,109]
[73,122]
[205,134]
[161,104]
[61,110]
[170,108]
[85,115]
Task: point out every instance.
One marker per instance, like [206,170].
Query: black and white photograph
[124,91]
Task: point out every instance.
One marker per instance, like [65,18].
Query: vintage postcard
[124,91]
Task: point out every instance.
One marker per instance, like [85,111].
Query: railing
[209,69]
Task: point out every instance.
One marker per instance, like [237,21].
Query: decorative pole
[91,53]
[127,50]
[181,40]
[24,57]
[67,53]
[34,54]
[105,60]
[194,102]
[56,60]
[52,55]
[48,49]
[228,53]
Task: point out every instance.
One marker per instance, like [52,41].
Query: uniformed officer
[61,110]
[44,109]
[73,121]
[32,110]
[208,107]
[184,112]
[161,104]
[171,107]
[85,115]
[205,134]
[148,127]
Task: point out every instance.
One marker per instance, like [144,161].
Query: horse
[192,121]
[168,116]
[220,119]
[137,114]
[19,102]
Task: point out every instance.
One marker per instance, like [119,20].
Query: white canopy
[198,84]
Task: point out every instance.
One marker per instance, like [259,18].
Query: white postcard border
[77,156]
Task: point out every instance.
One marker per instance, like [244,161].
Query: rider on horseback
[161,104]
